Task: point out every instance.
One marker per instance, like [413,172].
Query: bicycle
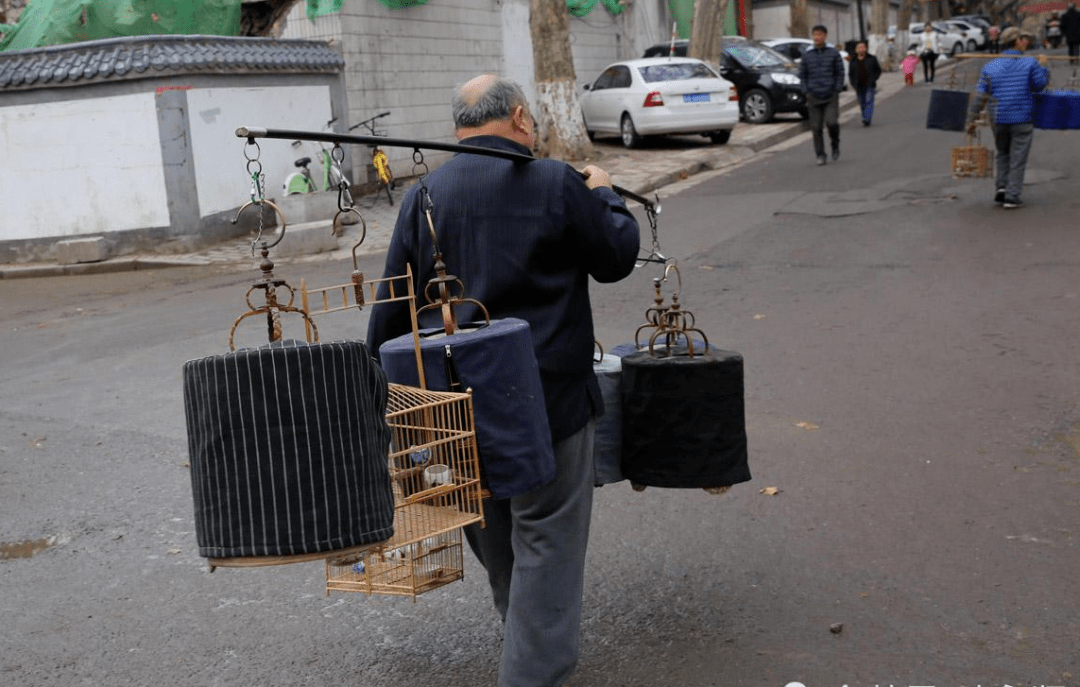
[333,179]
[378,157]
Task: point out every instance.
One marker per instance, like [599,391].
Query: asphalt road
[911,390]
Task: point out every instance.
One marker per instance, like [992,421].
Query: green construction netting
[579,8]
[682,11]
[317,8]
[55,22]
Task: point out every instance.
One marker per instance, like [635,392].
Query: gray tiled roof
[140,57]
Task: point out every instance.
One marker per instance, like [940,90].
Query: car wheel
[972,46]
[630,137]
[804,113]
[591,135]
[956,49]
[756,107]
[720,137]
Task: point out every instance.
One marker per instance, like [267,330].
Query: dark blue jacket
[524,238]
[822,73]
[1011,83]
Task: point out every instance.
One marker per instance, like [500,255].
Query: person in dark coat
[525,237]
[821,71]
[1070,29]
[863,72]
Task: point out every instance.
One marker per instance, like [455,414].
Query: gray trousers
[533,549]
[826,114]
[1013,143]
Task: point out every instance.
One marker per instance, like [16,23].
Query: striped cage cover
[288,448]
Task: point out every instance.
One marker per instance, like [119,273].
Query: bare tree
[903,22]
[263,17]
[707,30]
[878,40]
[560,127]
[800,18]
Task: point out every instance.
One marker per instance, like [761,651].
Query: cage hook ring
[275,208]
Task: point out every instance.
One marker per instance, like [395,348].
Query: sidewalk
[644,171]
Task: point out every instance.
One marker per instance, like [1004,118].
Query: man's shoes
[835,154]
[821,159]
[1012,203]
[999,196]
[866,122]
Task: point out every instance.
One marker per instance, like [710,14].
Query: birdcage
[435,475]
[971,160]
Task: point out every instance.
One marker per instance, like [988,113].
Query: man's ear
[519,119]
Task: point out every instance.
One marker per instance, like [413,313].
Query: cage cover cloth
[607,452]
[288,445]
[498,363]
[948,110]
[684,422]
[1057,110]
[607,442]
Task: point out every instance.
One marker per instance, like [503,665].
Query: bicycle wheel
[297,183]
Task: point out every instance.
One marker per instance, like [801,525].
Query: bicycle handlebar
[369,122]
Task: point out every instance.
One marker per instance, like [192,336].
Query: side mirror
[586,87]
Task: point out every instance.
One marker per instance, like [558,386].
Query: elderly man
[822,72]
[1010,82]
[524,238]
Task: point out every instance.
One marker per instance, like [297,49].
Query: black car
[767,82]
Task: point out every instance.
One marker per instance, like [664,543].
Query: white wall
[409,61]
[81,167]
[218,155]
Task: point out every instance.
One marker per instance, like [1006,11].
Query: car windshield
[675,71]
[755,56]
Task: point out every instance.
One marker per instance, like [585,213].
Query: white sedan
[660,95]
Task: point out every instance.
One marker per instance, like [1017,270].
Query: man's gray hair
[496,103]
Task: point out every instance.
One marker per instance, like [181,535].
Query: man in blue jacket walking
[822,72]
[1010,82]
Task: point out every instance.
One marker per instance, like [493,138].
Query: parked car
[793,48]
[950,42]
[660,95]
[980,20]
[975,37]
[767,82]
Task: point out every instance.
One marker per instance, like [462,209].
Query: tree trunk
[878,44]
[261,17]
[800,18]
[560,128]
[707,30]
[903,23]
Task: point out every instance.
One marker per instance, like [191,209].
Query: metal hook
[667,270]
[259,204]
[339,223]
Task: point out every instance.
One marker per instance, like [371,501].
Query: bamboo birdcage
[428,428]
[973,159]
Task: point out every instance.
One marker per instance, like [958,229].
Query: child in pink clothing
[908,66]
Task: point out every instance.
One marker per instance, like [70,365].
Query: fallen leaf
[174,550]
[836,628]
[770,491]
[806,425]
[759,317]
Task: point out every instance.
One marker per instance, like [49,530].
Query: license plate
[695,97]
